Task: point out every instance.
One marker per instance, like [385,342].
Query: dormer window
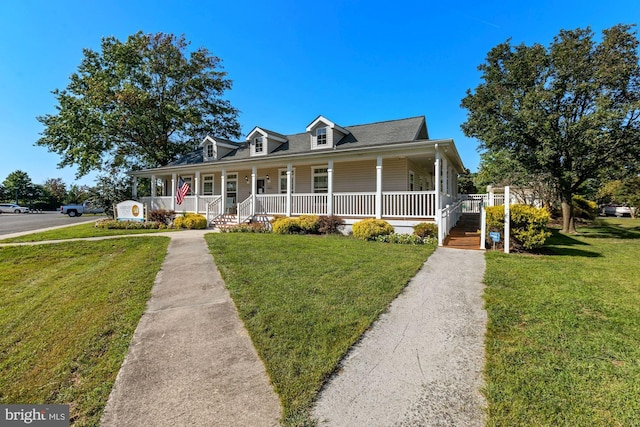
[321,136]
[259,145]
[210,152]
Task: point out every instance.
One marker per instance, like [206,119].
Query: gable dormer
[263,141]
[216,148]
[324,133]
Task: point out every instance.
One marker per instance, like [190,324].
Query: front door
[260,186]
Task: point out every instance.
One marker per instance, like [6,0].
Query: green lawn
[563,342]
[77,231]
[306,299]
[67,316]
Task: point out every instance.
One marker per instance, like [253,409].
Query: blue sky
[353,62]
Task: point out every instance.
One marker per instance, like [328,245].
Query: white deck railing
[354,204]
[409,204]
[271,204]
[308,204]
[395,204]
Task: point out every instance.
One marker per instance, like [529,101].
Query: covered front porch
[397,186]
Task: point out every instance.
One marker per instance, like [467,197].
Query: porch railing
[354,204]
[409,204]
[213,209]
[245,210]
[449,217]
[395,204]
[271,204]
[309,203]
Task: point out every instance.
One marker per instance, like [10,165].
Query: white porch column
[379,187]
[254,189]
[134,187]
[196,192]
[445,179]
[154,182]
[223,191]
[173,192]
[438,189]
[289,187]
[330,188]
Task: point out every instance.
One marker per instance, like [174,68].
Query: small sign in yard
[130,210]
[494,236]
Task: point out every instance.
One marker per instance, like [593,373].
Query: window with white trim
[207,185]
[282,180]
[210,153]
[321,136]
[320,176]
[258,144]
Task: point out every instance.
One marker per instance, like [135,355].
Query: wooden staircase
[231,220]
[466,233]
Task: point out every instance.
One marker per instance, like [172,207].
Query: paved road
[15,223]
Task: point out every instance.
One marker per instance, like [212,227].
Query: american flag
[183,190]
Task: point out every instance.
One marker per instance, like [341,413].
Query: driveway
[16,223]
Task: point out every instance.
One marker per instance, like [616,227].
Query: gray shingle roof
[373,134]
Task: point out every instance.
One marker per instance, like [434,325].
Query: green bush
[404,239]
[253,227]
[369,229]
[583,208]
[190,221]
[528,224]
[426,229]
[286,225]
[112,224]
[309,224]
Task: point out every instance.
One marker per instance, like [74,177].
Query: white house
[389,170]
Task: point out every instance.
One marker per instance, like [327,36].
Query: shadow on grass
[557,246]
[602,230]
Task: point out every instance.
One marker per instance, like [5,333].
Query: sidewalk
[421,363]
[191,361]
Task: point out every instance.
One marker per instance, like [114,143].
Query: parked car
[616,210]
[13,208]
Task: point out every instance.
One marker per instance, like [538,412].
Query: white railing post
[379,187]
[507,218]
[483,227]
[173,192]
[288,208]
[330,188]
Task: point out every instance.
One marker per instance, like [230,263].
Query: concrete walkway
[421,363]
[191,361]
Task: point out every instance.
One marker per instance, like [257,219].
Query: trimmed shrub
[330,224]
[528,224]
[369,229]
[583,208]
[309,224]
[253,227]
[404,239]
[286,225]
[191,221]
[426,229]
[161,215]
[112,224]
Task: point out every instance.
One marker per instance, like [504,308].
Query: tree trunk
[568,223]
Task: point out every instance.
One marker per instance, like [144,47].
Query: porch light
[268,179]
[246,179]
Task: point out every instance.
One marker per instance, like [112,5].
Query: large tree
[139,103]
[18,185]
[569,112]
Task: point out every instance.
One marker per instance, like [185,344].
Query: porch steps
[224,221]
[466,234]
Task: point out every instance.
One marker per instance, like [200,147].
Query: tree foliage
[18,186]
[568,112]
[139,103]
